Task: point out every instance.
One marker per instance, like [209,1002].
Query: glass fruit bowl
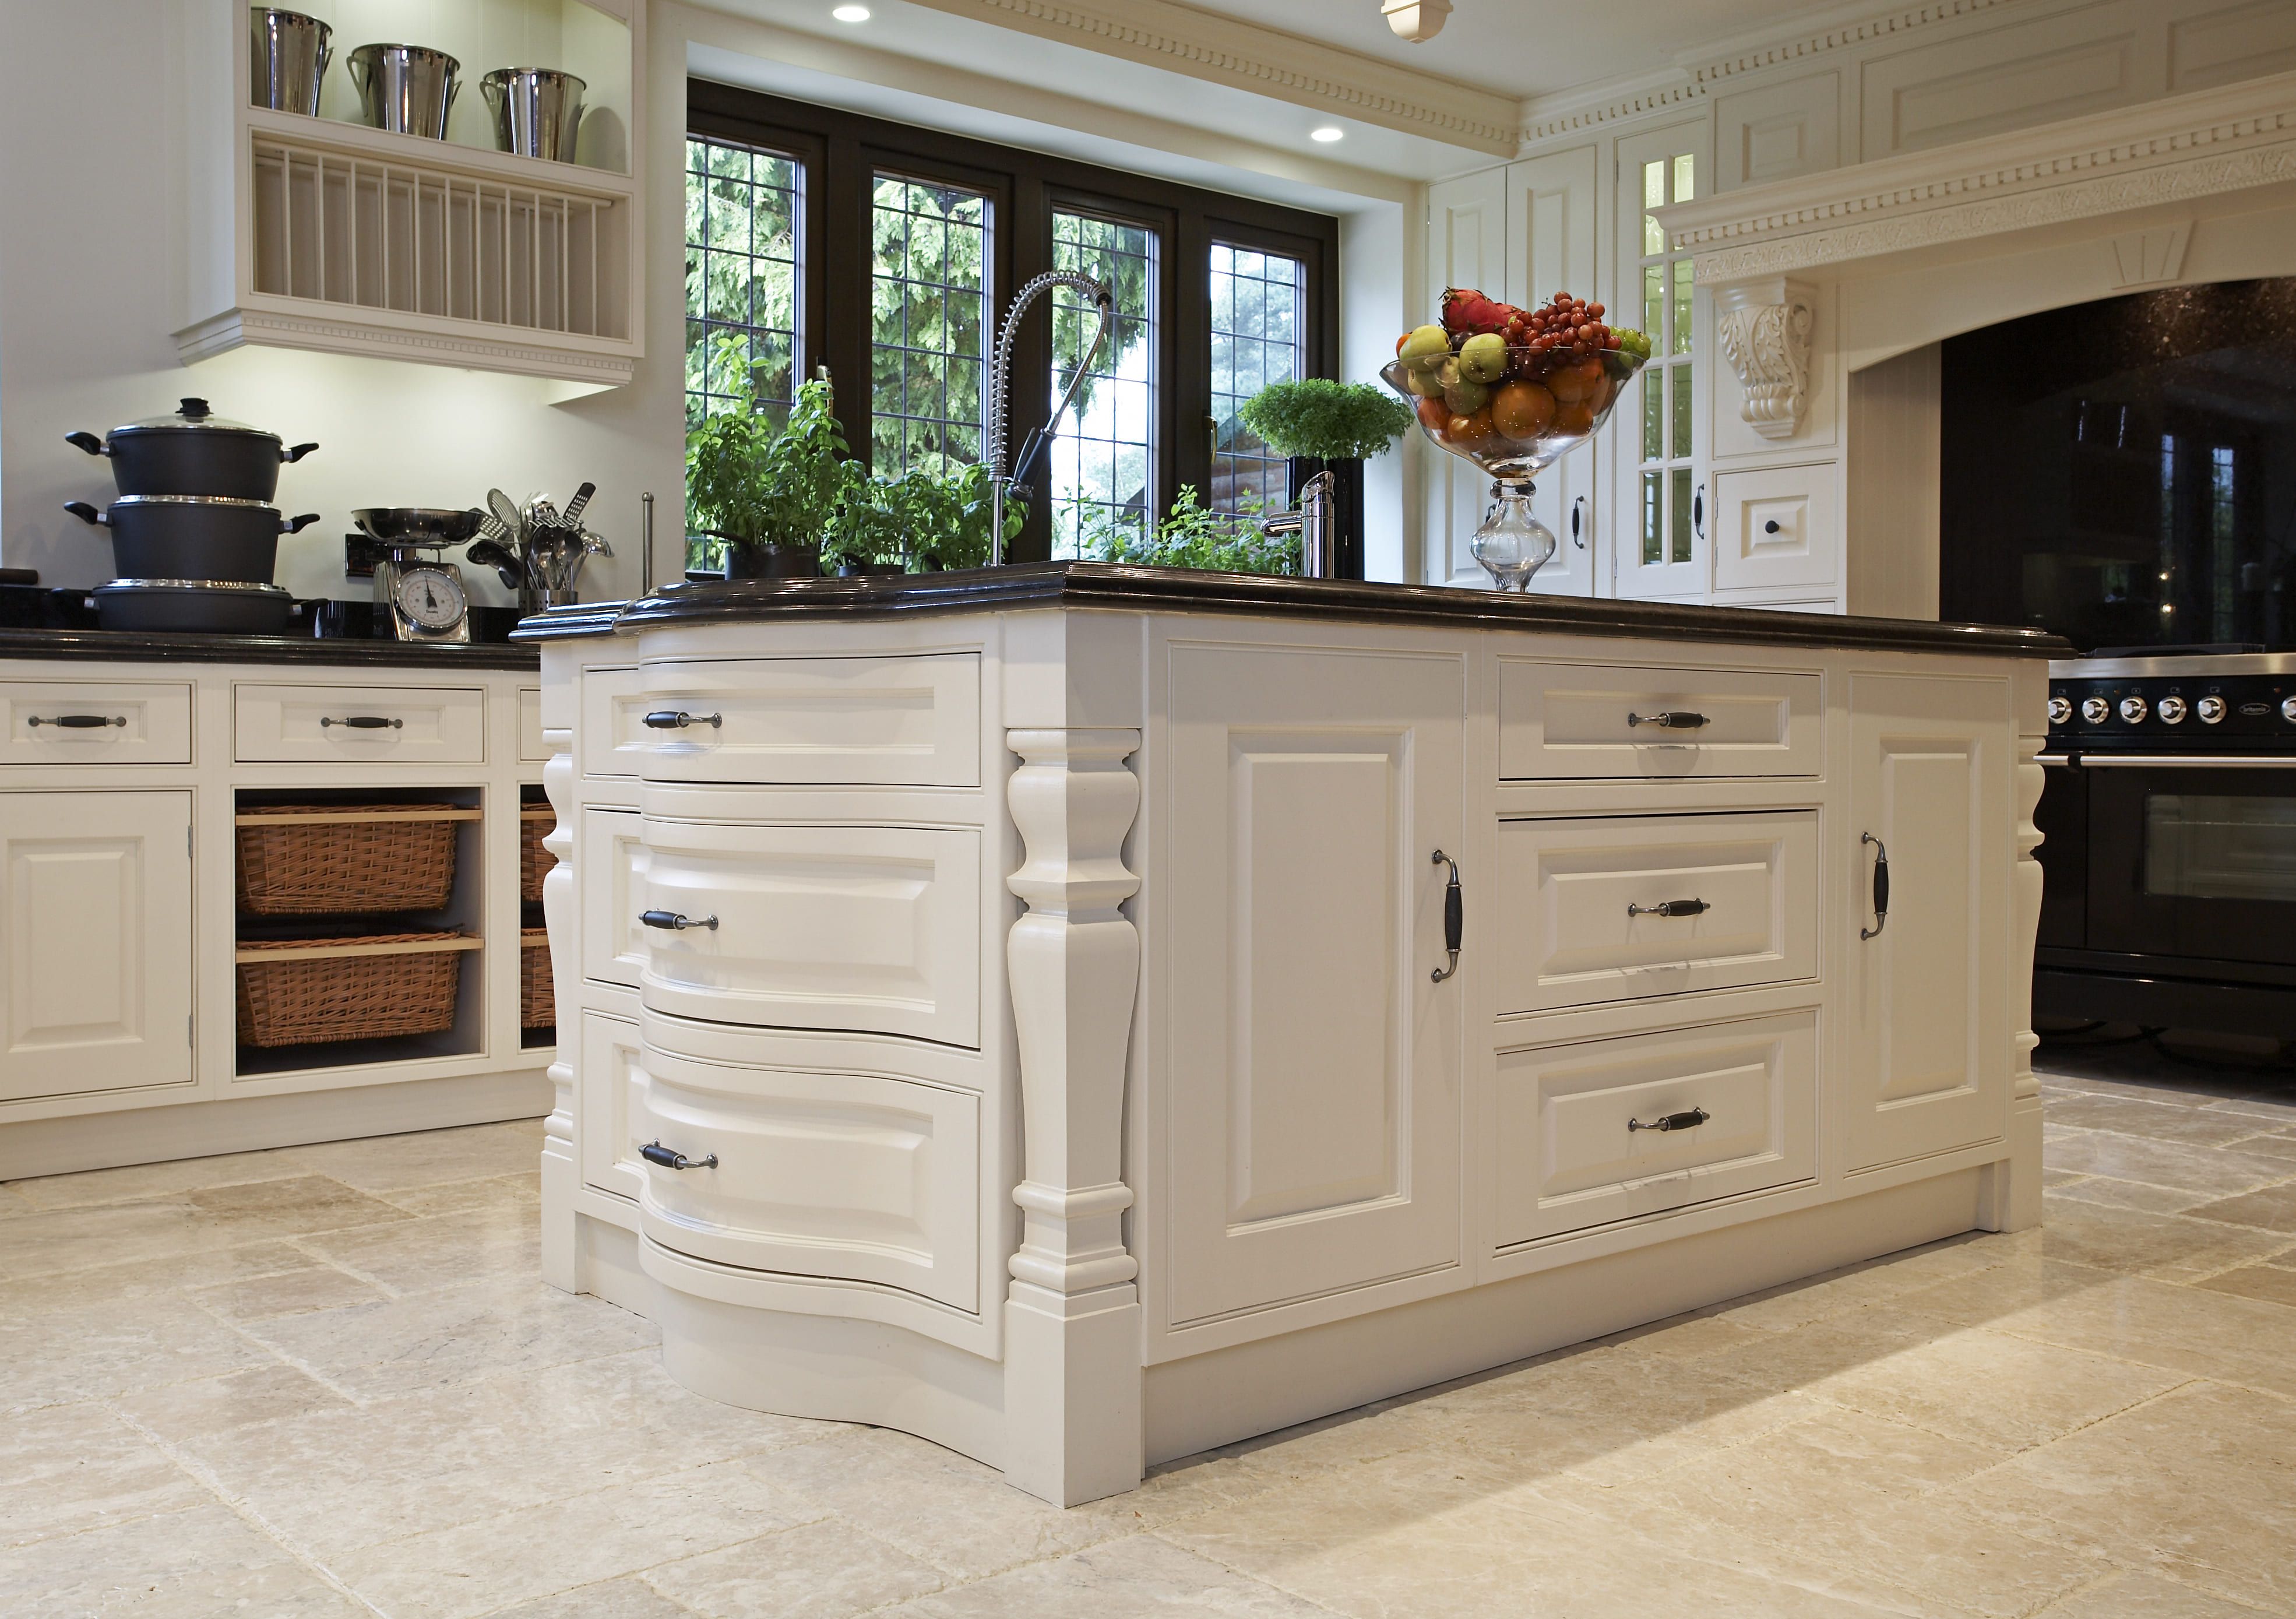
[1537,409]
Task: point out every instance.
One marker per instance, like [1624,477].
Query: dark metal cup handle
[1455,917]
[296,525]
[297,453]
[363,722]
[1691,1120]
[85,512]
[1881,886]
[677,922]
[670,1158]
[80,722]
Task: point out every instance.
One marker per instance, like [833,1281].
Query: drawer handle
[1881,886]
[80,722]
[1455,916]
[1670,908]
[670,1158]
[677,922]
[1670,720]
[1691,1120]
[677,719]
[364,722]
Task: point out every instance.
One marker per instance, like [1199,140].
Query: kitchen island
[1083,1014]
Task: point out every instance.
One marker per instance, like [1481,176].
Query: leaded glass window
[1103,461]
[928,308]
[742,254]
[1259,302]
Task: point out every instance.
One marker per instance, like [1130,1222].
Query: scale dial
[430,600]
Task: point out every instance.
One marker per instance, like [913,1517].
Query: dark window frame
[842,153]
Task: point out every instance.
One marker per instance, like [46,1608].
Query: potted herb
[769,492]
[952,514]
[1320,425]
[1191,536]
[872,520]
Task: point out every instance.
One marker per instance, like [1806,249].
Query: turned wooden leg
[2013,1186]
[1072,1316]
[561,1166]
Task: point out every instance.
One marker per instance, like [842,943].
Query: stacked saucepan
[194,535]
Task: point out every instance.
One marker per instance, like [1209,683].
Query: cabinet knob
[1770,526]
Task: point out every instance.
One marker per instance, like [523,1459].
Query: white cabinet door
[1659,543]
[1312,1067]
[612,1064]
[1927,989]
[1466,247]
[1551,250]
[96,942]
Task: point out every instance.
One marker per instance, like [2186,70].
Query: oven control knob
[2061,710]
[2096,710]
[2171,710]
[2132,710]
[2209,709]
[2288,710]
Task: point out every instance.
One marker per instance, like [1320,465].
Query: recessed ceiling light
[851,14]
[1327,134]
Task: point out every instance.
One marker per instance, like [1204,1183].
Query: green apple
[1424,346]
[1483,358]
[1465,396]
[1424,382]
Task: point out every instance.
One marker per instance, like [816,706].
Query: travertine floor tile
[453,1574]
[626,1599]
[1134,1578]
[182,1411]
[312,1287]
[392,1164]
[202,1563]
[2172,1247]
[438,1251]
[825,1569]
[145,1278]
[116,1347]
[2127,1195]
[68,1468]
[2156,1121]
[2275,1284]
[498,1192]
[2201,1481]
[143,1182]
[2219,1172]
[2272,1209]
[2143,1596]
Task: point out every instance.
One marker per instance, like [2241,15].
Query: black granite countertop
[130,645]
[1115,587]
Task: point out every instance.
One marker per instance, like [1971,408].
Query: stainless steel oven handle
[2179,762]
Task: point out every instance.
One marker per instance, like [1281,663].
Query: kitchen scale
[421,591]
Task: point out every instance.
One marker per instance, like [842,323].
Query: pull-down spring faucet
[1000,380]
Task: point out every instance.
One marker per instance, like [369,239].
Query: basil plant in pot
[1320,425]
[769,492]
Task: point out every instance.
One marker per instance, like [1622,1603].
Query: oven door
[2197,859]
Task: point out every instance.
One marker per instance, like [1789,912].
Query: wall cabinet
[95,942]
[1315,1067]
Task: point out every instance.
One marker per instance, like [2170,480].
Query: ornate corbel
[1764,327]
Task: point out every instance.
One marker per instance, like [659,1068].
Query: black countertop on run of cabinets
[1115,587]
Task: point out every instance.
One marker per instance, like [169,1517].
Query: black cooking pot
[193,453]
[196,537]
[217,607]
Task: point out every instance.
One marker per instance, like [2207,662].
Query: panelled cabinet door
[1466,247]
[1313,1068]
[1927,988]
[1658,539]
[1551,250]
[96,942]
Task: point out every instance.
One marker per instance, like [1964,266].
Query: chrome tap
[1317,523]
[1000,380]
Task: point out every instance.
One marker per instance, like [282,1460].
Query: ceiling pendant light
[1417,20]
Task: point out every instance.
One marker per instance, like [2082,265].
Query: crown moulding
[2172,150]
[1221,50]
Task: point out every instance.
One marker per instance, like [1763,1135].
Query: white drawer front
[140,724]
[611,1071]
[849,1175]
[361,724]
[612,741]
[610,866]
[846,721]
[1776,527]
[869,928]
[532,749]
[1584,720]
[1568,1159]
[1567,936]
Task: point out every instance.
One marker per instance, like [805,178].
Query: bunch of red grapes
[1569,324]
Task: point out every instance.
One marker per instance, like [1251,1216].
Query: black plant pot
[849,569]
[1347,490]
[772,561]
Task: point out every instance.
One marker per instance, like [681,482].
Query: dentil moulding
[1764,325]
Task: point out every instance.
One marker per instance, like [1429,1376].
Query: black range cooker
[2170,864]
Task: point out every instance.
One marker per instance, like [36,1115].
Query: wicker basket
[537,1003]
[534,861]
[294,992]
[303,860]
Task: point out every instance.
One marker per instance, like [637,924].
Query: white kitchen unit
[1028,1009]
[126,764]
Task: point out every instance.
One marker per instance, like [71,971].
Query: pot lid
[194,415]
[197,587]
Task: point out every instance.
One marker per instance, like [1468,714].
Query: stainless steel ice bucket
[537,110]
[287,58]
[406,87]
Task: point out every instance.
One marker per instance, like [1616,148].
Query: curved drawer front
[73,722]
[1569,1160]
[894,722]
[869,928]
[1567,936]
[1562,720]
[363,723]
[854,1176]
